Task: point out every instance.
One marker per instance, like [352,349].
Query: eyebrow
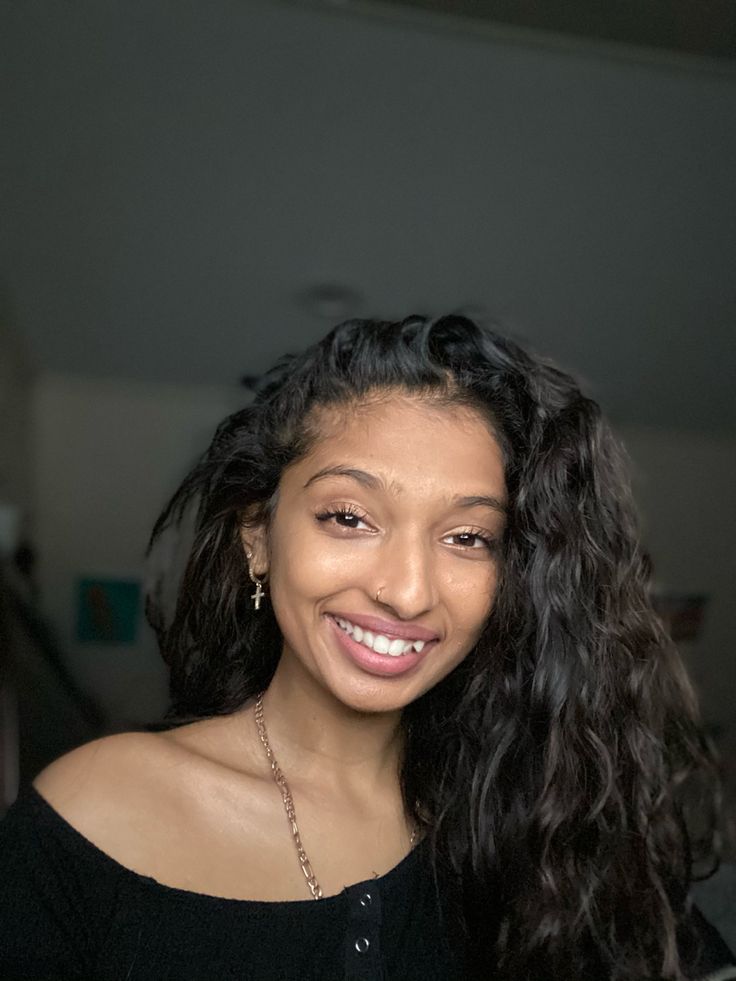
[372,482]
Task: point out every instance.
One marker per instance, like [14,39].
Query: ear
[254,540]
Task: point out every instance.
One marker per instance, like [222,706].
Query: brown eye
[475,540]
[341,517]
[346,519]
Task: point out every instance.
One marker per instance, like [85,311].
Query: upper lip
[406,631]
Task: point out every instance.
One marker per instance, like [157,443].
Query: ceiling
[689,26]
[175,172]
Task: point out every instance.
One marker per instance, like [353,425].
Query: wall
[109,454]
[16,380]
[685,484]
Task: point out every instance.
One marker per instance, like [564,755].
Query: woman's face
[418,515]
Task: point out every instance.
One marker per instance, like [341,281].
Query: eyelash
[346,511]
[349,511]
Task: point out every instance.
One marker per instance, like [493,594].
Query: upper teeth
[378,642]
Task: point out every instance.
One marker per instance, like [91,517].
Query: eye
[475,540]
[343,517]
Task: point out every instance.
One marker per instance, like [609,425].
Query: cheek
[470,603]
[305,564]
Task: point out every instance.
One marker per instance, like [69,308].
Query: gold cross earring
[258,595]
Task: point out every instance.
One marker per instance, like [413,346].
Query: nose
[405,571]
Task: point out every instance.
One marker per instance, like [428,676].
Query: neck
[318,740]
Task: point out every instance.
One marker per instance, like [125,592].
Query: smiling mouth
[380,643]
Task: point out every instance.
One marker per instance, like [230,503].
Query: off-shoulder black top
[68,910]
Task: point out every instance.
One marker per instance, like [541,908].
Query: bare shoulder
[112,771]
[110,787]
[170,805]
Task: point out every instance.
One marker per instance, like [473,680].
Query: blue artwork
[107,610]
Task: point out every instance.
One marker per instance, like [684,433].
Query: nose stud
[378,594]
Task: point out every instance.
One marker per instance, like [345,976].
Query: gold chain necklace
[280,779]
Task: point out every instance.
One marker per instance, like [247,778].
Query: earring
[258,595]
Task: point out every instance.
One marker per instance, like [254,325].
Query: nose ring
[378,594]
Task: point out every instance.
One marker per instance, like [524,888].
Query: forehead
[414,444]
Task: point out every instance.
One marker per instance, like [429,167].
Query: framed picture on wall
[108,610]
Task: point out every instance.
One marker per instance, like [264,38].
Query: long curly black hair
[566,785]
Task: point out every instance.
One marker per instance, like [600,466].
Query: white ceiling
[174,172]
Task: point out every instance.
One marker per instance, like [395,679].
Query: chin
[373,695]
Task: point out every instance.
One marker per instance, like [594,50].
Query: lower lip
[380,664]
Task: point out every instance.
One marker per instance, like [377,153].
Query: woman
[415,676]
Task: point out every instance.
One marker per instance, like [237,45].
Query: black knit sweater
[68,910]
